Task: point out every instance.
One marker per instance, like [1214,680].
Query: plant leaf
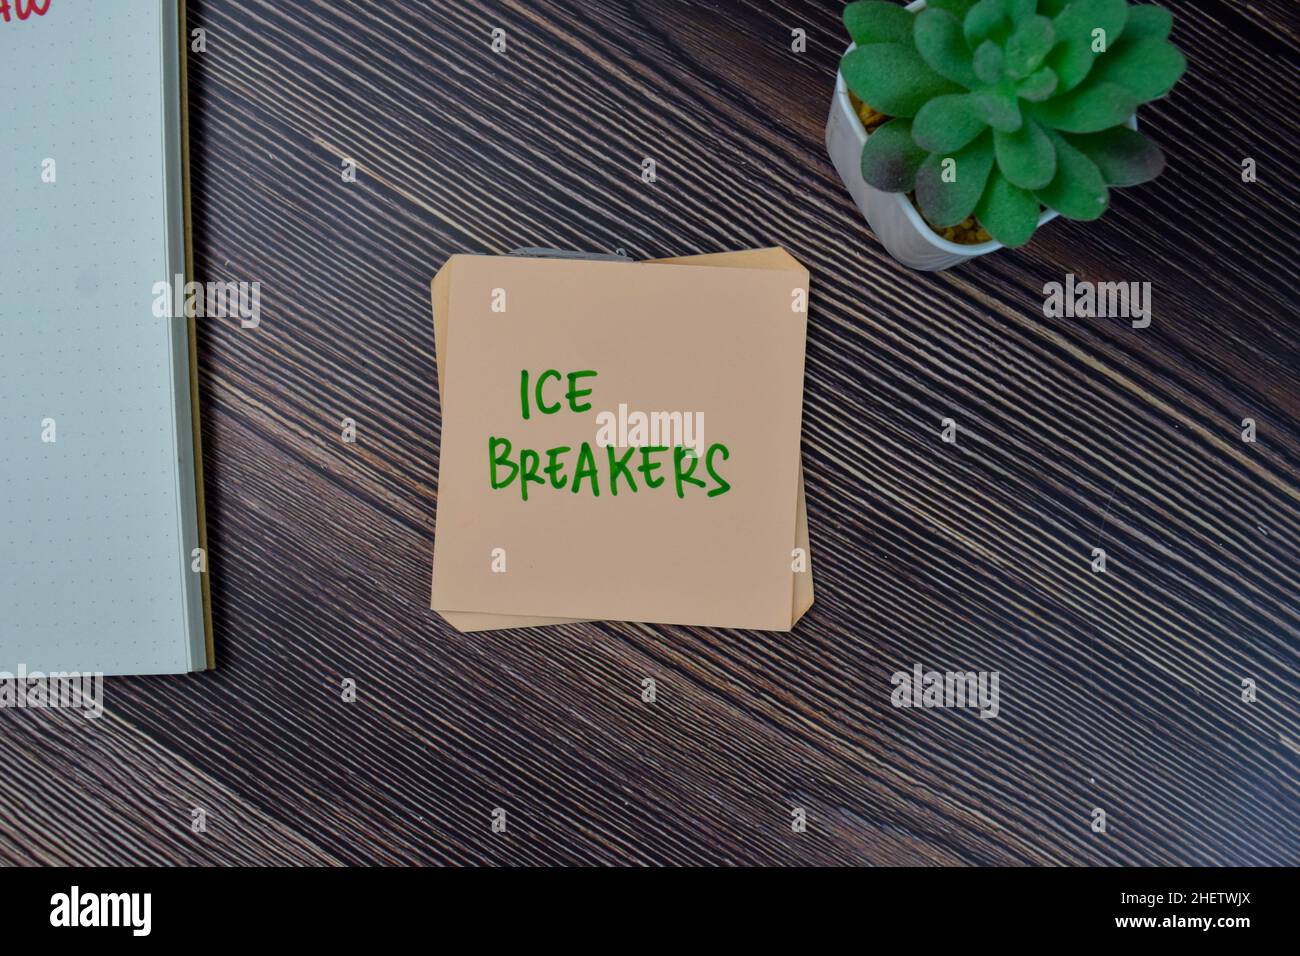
[1026,157]
[987,20]
[958,8]
[893,78]
[1080,18]
[1088,109]
[947,123]
[998,110]
[1037,86]
[948,203]
[1017,10]
[1071,60]
[1008,213]
[891,158]
[1077,191]
[1029,45]
[939,40]
[988,62]
[1148,23]
[1074,25]
[876,21]
[1124,156]
[1146,68]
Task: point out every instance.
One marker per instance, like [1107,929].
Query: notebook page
[97,514]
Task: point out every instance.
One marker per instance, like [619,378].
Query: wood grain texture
[1119,691]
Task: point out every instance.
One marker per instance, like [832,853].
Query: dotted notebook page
[95,517]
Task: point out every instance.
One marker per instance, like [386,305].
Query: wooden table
[1120,691]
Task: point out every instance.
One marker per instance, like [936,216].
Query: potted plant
[961,126]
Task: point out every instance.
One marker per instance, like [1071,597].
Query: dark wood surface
[1119,691]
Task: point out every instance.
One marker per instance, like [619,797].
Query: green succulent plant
[1002,107]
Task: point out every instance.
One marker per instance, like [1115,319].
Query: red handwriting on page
[23,9]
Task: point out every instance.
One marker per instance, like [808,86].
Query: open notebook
[101,517]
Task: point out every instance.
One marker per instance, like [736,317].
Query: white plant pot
[892,217]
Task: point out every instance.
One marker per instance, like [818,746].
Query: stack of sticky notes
[620,441]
